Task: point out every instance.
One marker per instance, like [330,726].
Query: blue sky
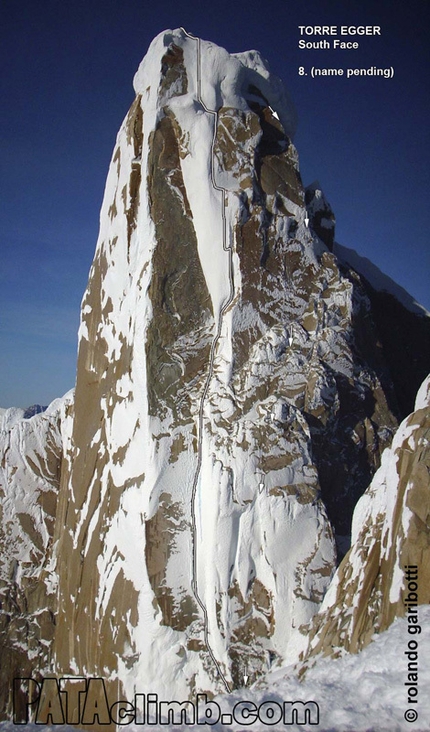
[66,84]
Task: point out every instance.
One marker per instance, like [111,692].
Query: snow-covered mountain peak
[222,79]
[232,398]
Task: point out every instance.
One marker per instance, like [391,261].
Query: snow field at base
[357,693]
[362,692]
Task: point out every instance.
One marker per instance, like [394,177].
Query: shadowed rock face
[321,216]
[399,331]
[179,296]
[391,535]
[232,399]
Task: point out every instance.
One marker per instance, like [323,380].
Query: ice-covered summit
[221,79]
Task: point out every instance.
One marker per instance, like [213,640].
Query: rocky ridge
[30,467]
[390,533]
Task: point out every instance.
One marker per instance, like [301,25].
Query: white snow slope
[357,693]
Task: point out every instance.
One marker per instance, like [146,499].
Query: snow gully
[227,248]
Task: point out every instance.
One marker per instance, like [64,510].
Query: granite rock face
[191,499]
[31,451]
[390,547]
[232,401]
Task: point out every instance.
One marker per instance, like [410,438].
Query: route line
[226,248]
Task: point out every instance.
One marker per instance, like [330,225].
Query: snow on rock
[217,377]
[402,327]
[362,692]
[31,452]
[377,279]
[390,533]
[231,401]
[183,493]
[422,400]
[320,213]
[9,417]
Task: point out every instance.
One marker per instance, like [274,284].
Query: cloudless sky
[66,84]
